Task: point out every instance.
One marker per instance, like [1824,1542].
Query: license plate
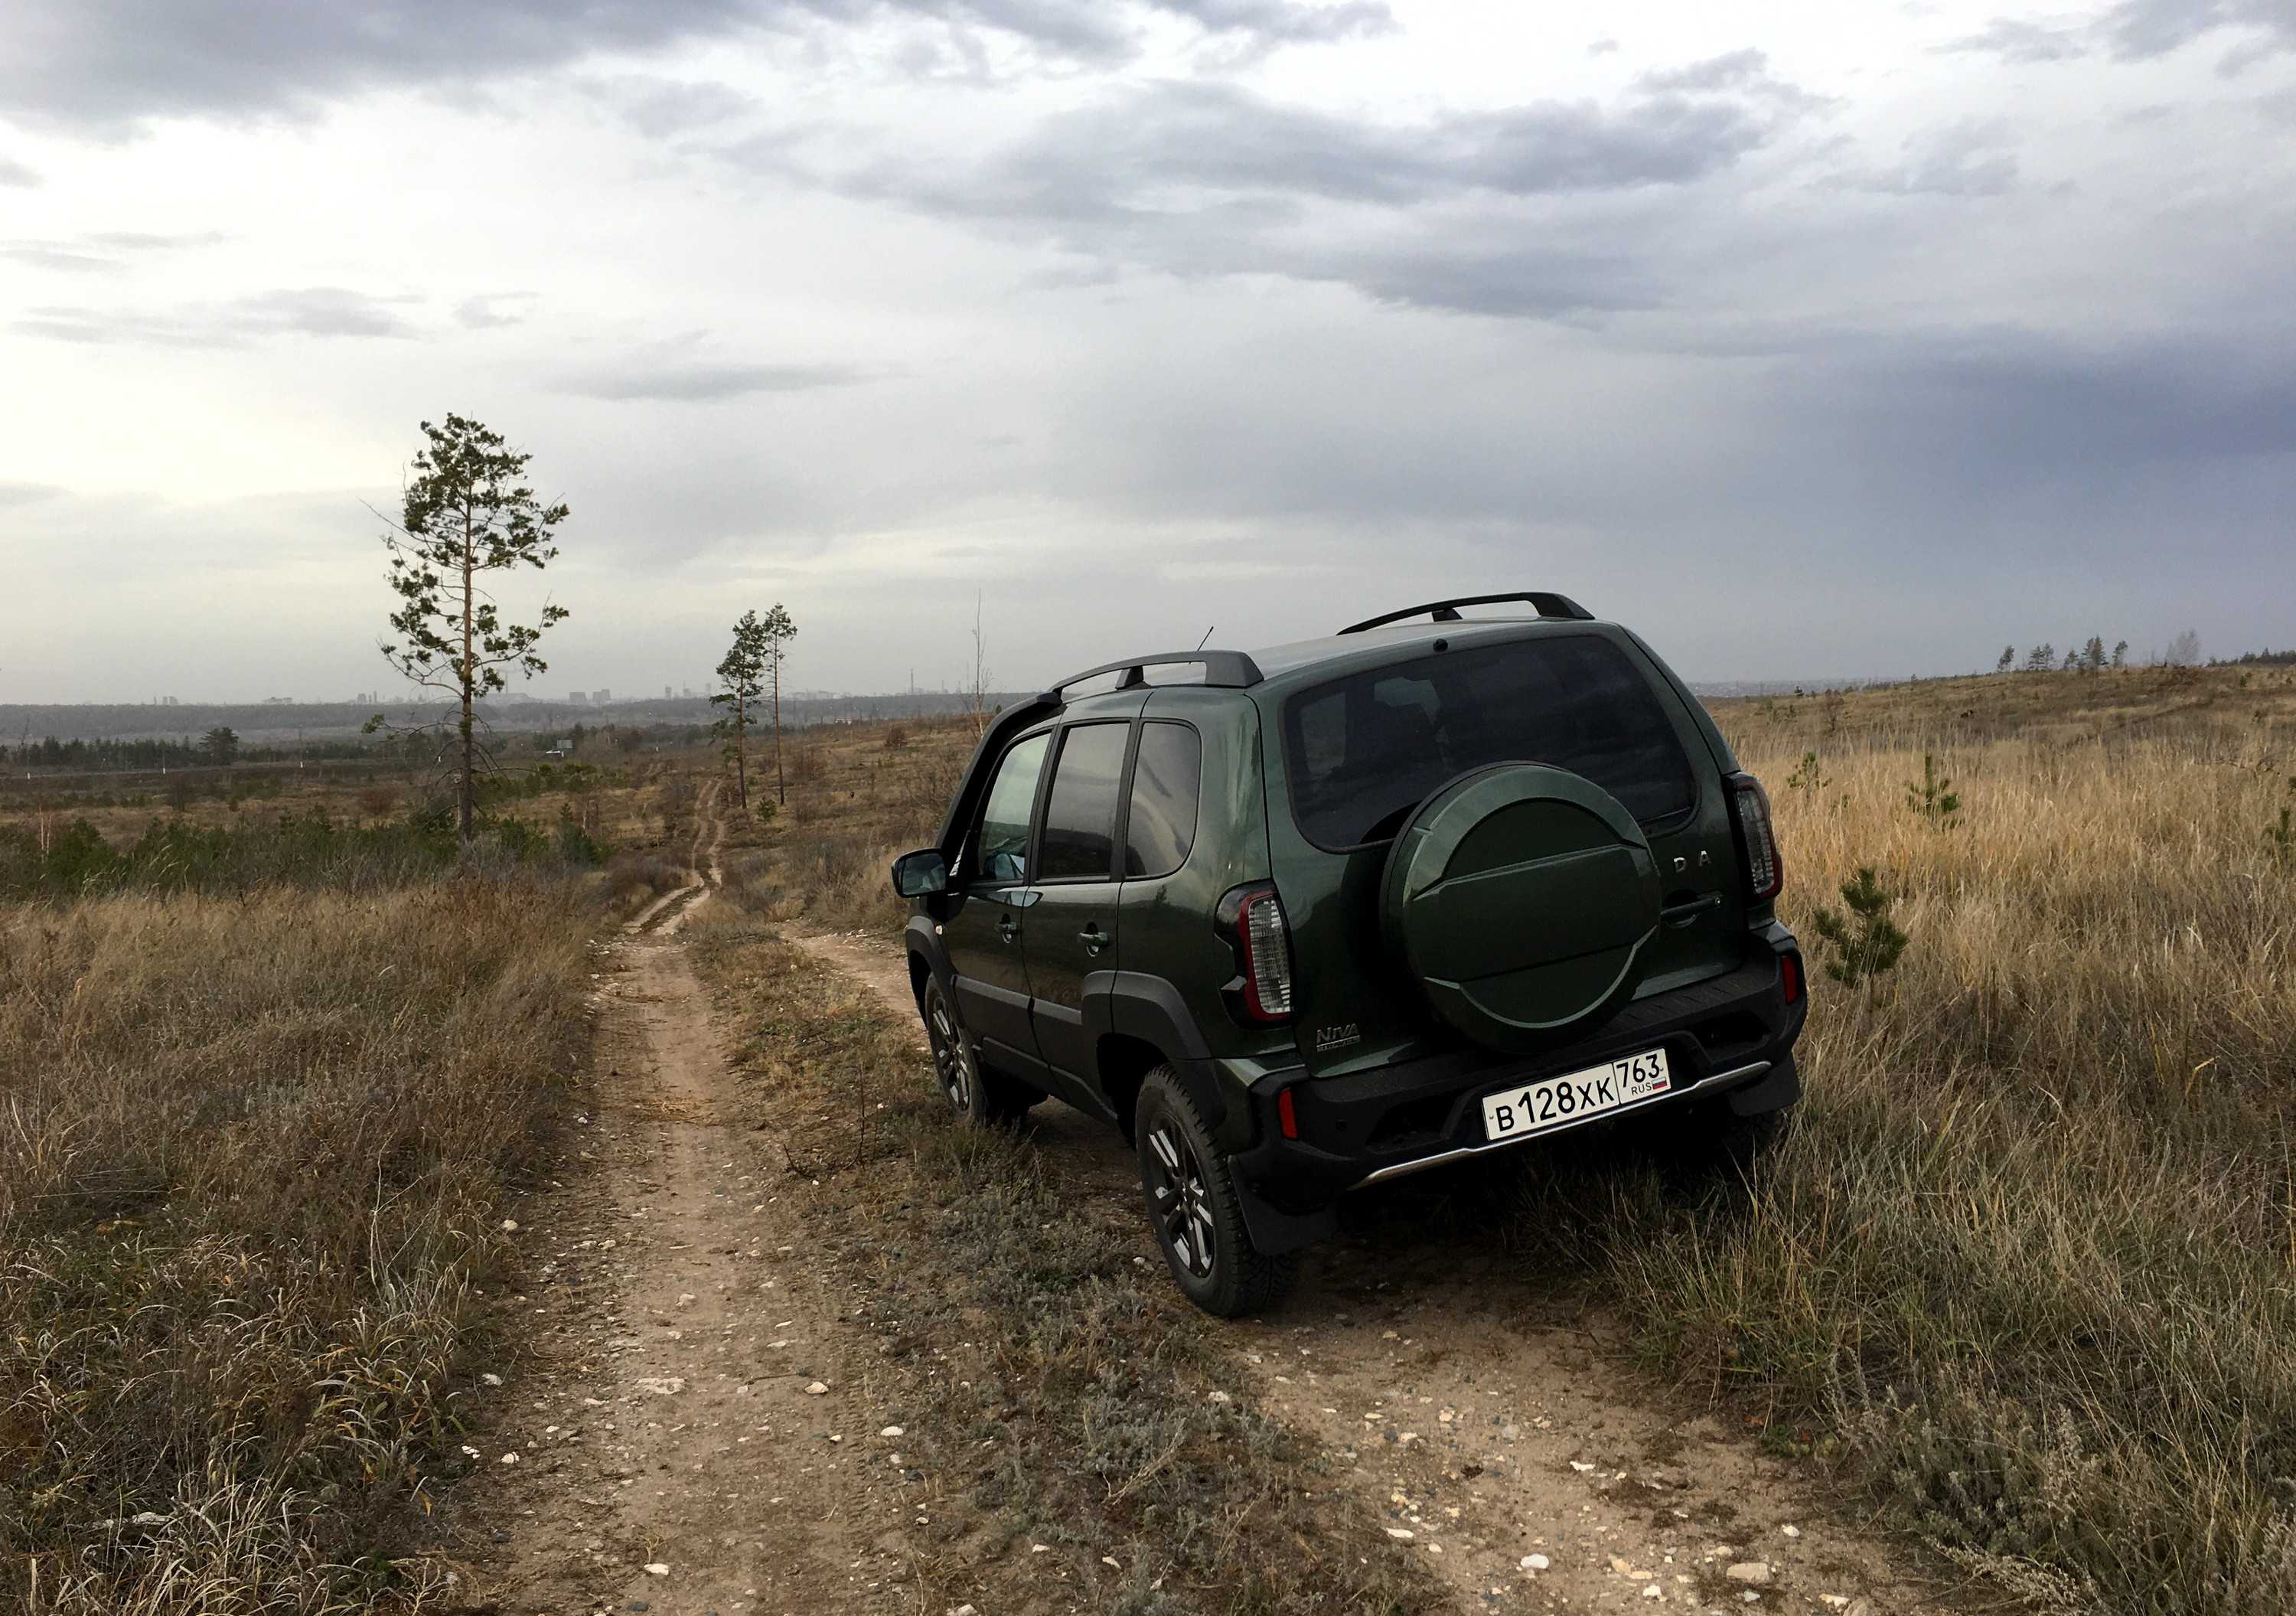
[1554,1103]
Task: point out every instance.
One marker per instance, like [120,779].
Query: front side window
[1161,826]
[1081,813]
[1003,838]
[1363,751]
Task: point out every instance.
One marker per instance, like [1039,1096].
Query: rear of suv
[1331,913]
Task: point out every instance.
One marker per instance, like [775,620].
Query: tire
[1190,1193]
[978,1095]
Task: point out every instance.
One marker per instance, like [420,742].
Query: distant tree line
[216,748]
[2092,657]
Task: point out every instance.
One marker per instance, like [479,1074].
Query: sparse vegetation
[1076,1410]
[248,1146]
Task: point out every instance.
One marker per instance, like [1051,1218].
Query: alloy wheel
[952,1056]
[1180,1199]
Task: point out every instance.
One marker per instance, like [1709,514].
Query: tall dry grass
[2028,1260]
[250,1150]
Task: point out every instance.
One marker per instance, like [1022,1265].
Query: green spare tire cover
[1523,898]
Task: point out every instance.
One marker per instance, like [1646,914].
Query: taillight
[1286,1118]
[1267,947]
[1790,975]
[1765,872]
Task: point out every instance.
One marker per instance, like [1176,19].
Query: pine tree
[742,675]
[1932,795]
[2093,654]
[2008,659]
[1868,941]
[466,513]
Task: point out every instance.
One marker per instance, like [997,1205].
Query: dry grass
[2026,1266]
[248,1150]
[2026,1261]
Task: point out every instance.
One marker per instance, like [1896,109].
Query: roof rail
[1223,669]
[1542,602]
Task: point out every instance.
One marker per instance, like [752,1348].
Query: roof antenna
[1208,635]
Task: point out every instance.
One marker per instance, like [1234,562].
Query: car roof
[1392,642]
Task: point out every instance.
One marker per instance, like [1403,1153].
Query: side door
[988,912]
[1073,925]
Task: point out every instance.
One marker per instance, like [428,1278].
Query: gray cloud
[2140,31]
[1458,212]
[1969,159]
[2015,39]
[13,173]
[314,311]
[100,249]
[104,66]
[489,311]
[703,381]
[55,255]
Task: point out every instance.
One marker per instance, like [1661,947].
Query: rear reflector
[1764,872]
[1267,956]
[1285,1116]
[1790,973]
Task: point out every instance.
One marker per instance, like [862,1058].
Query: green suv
[1331,913]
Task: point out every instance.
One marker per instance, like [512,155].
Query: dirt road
[671,1448]
[1482,1419]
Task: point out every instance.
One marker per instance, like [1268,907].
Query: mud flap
[1774,1090]
[1275,1231]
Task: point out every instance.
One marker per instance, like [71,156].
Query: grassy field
[2021,1271]
[265,1069]
[248,1146]
[2026,1262]
[2025,1268]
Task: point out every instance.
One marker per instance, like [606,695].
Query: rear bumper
[1731,1036]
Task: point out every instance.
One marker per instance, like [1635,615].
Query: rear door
[1361,752]
[990,900]
[1072,926]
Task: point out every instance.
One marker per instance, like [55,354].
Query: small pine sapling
[1932,795]
[1806,775]
[1867,939]
[2280,838]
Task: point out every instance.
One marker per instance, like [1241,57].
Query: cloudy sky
[1812,339]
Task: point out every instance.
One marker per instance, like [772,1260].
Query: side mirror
[921,874]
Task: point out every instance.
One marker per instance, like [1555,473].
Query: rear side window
[1161,826]
[1365,750]
[1080,814]
[1004,818]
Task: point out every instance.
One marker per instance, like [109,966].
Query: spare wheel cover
[1521,898]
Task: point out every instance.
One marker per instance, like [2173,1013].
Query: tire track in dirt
[1486,1421]
[677,1461]
[703,874]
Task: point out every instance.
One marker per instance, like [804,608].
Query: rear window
[1365,750]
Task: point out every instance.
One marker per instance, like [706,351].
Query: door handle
[1683,914]
[1094,939]
[1008,929]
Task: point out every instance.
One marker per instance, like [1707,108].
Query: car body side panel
[1166,929]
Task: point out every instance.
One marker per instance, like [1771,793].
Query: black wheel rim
[1180,1199]
[952,1056]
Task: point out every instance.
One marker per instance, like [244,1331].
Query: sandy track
[665,1420]
[1480,1415]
